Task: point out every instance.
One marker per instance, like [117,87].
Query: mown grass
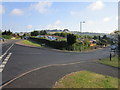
[29,43]
[87,79]
[114,61]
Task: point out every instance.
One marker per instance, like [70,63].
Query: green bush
[62,45]
[34,33]
[7,36]
[53,44]
[71,39]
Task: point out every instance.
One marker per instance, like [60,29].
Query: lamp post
[81,32]
[81,26]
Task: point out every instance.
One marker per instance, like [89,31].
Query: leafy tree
[117,32]
[34,33]
[43,32]
[104,42]
[7,32]
[65,30]
[104,37]
[95,37]
[71,39]
[24,34]
[86,42]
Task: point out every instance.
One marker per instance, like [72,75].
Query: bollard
[110,56]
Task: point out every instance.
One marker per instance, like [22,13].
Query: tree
[7,32]
[62,34]
[71,39]
[95,37]
[34,33]
[43,32]
[65,30]
[104,42]
[104,37]
[4,33]
[117,32]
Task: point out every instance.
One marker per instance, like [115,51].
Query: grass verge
[114,61]
[87,79]
[29,43]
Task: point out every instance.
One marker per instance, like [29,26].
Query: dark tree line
[35,33]
[7,32]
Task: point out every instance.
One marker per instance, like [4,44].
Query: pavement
[41,68]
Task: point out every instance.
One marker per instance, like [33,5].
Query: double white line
[6,59]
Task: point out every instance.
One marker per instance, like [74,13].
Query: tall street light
[81,26]
[81,30]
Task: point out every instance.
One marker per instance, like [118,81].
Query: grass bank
[86,79]
[29,43]
[114,61]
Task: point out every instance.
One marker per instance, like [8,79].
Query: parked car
[51,38]
[25,37]
[40,36]
[2,39]
[114,47]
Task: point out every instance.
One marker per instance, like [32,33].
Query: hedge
[53,44]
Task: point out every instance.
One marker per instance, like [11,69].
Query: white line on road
[5,62]
[6,52]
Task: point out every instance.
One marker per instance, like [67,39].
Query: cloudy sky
[27,16]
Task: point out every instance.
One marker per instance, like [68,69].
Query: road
[23,59]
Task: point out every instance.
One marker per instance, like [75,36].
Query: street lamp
[81,26]
[81,30]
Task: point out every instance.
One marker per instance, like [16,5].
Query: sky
[99,16]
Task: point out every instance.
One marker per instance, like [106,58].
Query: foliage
[104,42]
[49,43]
[88,36]
[71,39]
[104,37]
[86,42]
[65,30]
[7,32]
[43,32]
[95,37]
[62,34]
[117,32]
[7,36]
[34,33]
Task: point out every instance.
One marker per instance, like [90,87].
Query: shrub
[34,33]
[7,36]
[53,44]
[71,39]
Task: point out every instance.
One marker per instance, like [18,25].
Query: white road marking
[6,52]
[5,62]
[1,70]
